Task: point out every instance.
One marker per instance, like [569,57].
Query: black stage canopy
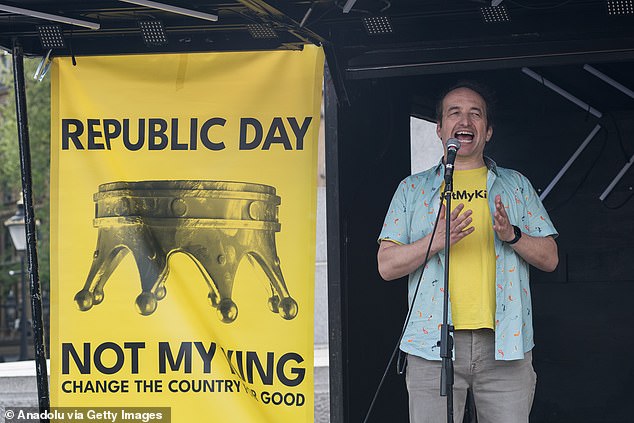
[367,38]
[362,38]
[563,71]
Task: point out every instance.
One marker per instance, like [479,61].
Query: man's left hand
[501,224]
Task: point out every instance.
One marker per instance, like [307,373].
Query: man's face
[464,117]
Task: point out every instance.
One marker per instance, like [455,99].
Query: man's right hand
[459,227]
[398,260]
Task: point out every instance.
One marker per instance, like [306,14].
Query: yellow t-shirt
[472,260]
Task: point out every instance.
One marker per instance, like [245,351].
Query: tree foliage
[39,112]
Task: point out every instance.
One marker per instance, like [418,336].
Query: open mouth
[464,136]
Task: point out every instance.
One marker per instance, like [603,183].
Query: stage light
[174,9]
[51,36]
[49,17]
[153,32]
[375,25]
[620,7]
[495,14]
[261,31]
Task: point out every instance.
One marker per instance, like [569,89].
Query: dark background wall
[582,312]
[371,163]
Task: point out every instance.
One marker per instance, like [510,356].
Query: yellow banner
[183,192]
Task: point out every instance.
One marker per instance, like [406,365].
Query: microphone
[453,145]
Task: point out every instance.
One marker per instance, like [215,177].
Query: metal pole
[616,179]
[571,160]
[565,94]
[23,319]
[446,340]
[609,80]
[29,218]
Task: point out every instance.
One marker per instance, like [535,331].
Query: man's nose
[465,119]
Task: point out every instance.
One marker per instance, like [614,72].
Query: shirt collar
[439,171]
[490,164]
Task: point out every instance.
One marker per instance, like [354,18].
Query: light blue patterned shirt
[411,216]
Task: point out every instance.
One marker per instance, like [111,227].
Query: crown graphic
[216,223]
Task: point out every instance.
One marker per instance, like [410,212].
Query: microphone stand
[446,340]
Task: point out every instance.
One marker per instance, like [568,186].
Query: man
[498,227]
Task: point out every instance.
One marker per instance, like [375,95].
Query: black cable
[70,48]
[409,313]
[585,176]
[588,113]
[320,17]
[618,135]
[594,162]
[627,157]
[620,205]
[345,218]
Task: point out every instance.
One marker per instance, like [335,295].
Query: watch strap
[518,235]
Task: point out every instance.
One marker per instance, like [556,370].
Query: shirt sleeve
[395,227]
[535,218]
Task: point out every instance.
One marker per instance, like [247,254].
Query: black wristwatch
[518,235]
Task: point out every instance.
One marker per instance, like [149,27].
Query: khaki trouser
[503,390]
